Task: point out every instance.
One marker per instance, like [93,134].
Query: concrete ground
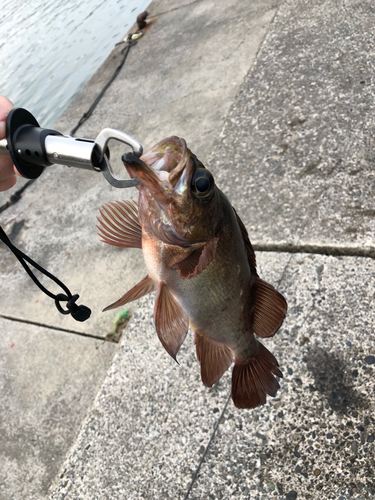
[295,154]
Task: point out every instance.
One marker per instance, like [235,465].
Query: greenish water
[50,49]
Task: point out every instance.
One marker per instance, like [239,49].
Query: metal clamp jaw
[102,143]
[32,148]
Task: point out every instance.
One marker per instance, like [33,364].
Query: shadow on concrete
[334,380]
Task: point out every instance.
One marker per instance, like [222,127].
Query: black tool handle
[26,143]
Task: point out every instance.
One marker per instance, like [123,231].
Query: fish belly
[216,302]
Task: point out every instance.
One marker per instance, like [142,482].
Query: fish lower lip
[130,159]
[134,165]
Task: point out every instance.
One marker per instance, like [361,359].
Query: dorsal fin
[171,321]
[215,358]
[270,309]
[147,285]
[119,224]
[248,246]
[198,260]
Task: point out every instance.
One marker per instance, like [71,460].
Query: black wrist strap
[79,313]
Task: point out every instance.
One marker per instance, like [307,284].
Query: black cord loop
[60,297]
[78,312]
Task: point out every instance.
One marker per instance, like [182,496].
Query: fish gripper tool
[33,148]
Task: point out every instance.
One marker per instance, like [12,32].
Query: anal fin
[119,225]
[147,285]
[171,321]
[253,379]
[214,357]
[270,309]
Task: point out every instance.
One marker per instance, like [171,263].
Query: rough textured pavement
[296,158]
[152,419]
[300,137]
[54,222]
[47,380]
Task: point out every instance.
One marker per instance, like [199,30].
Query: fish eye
[202,183]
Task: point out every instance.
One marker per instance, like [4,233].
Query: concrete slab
[179,79]
[152,419]
[299,138]
[47,381]
[316,438]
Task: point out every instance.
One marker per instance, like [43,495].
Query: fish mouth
[166,169]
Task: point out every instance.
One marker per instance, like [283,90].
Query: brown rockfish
[201,264]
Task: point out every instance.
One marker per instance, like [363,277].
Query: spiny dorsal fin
[171,321]
[215,358]
[198,260]
[270,309]
[119,224]
[248,246]
[253,379]
[147,285]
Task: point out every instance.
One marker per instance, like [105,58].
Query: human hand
[7,170]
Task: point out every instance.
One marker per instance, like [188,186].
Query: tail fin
[254,379]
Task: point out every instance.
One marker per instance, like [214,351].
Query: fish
[202,266]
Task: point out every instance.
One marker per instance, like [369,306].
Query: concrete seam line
[206,450]
[330,250]
[51,327]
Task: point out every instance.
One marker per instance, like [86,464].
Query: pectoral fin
[198,260]
[171,321]
[119,224]
[270,310]
[147,285]
[215,358]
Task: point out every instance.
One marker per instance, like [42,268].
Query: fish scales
[216,300]
[202,265]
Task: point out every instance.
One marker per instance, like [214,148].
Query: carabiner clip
[105,167]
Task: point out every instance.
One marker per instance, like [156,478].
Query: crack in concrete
[207,448]
[51,327]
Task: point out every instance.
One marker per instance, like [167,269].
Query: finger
[6,167]
[8,183]
[2,130]
[5,106]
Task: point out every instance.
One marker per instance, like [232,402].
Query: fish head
[176,191]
